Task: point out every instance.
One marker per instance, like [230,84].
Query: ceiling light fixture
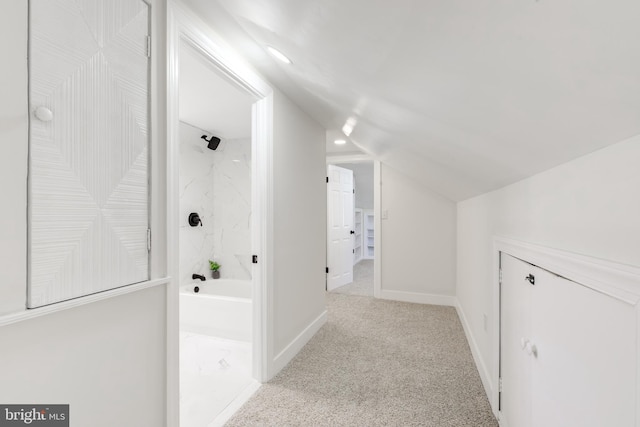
[349,125]
[339,142]
[281,56]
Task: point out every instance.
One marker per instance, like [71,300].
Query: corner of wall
[299,207]
[417,232]
[283,358]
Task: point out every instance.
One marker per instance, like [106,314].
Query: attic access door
[89,137]
[568,353]
[339,226]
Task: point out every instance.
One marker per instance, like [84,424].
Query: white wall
[363,179]
[418,241]
[589,206]
[299,205]
[107,358]
[219,190]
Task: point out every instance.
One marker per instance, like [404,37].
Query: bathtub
[222,308]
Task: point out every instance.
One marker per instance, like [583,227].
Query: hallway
[362,280]
[376,363]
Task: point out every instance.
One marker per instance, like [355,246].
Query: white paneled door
[340,232]
[89,138]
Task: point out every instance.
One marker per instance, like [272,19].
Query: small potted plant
[215,267]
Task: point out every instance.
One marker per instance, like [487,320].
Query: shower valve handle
[194,219]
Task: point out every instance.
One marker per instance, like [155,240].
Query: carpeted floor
[362,280]
[376,363]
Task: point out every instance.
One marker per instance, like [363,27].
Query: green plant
[214,266]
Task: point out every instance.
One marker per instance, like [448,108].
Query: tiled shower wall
[216,185]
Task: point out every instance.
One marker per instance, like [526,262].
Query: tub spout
[195,276]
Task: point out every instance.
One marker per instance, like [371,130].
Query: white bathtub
[222,308]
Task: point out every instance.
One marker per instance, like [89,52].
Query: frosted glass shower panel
[89,138]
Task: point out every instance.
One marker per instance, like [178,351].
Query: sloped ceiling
[209,102]
[464,96]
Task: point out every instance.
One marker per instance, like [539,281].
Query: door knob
[352,232]
[44,114]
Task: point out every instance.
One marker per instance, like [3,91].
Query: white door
[515,329]
[340,226]
[584,365]
[89,132]
[568,353]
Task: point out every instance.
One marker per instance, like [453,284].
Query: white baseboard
[236,404]
[290,351]
[450,301]
[418,298]
[485,377]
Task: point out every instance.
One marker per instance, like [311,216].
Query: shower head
[214,141]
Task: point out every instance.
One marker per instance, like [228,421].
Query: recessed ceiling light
[281,56]
[339,142]
[349,125]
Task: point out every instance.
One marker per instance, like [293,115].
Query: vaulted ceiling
[209,102]
[464,96]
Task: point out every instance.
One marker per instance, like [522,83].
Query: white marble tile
[232,208]
[216,185]
[213,372]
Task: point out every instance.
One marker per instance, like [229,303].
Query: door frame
[377,210]
[183,26]
[619,281]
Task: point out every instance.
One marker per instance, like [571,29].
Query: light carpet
[376,363]
[362,280]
